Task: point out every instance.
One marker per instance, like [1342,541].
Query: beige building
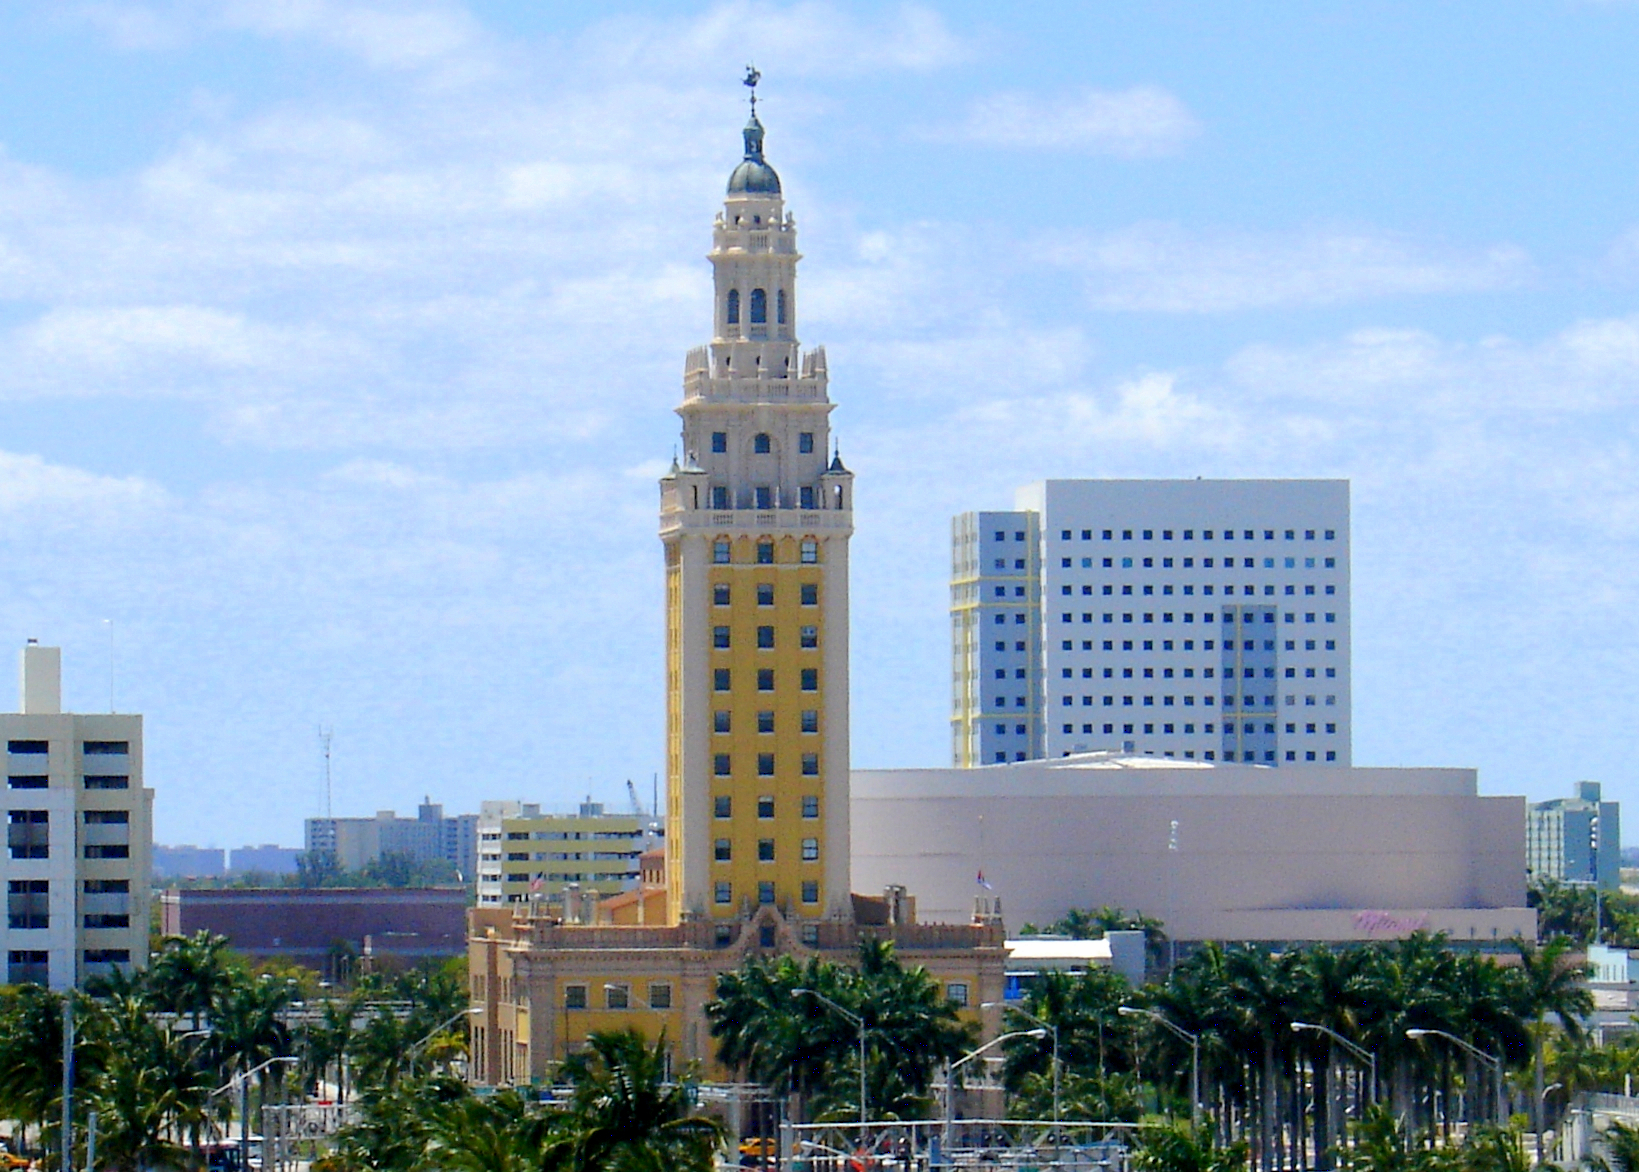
[79,835]
[525,855]
[754,525]
[1217,851]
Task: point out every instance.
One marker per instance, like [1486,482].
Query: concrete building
[189,862]
[1218,852]
[266,859]
[754,525]
[79,835]
[1199,619]
[428,837]
[1576,840]
[525,854]
[319,927]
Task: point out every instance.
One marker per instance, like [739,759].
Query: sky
[339,343]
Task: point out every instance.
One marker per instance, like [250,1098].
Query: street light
[860,1022]
[442,1026]
[243,1083]
[1055,1031]
[1493,1062]
[1194,1041]
[1358,1051]
[952,1067]
[1542,1110]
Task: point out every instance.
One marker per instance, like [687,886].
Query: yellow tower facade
[755,524]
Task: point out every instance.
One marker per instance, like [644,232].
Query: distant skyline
[339,344]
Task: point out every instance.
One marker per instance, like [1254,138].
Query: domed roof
[754,176]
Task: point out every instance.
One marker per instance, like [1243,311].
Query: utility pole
[68,1082]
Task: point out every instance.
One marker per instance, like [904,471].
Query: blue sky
[339,342]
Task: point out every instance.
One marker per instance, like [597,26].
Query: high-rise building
[1199,619]
[1575,840]
[755,524]
[79,835]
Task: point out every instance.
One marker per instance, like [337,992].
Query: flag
[985,883]
[536,883]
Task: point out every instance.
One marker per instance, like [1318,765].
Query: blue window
[779,306]
[759,307]
[733,315]
[719,441]
[761,444]
[805,442]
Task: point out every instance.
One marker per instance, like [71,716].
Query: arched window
[759,307]
[779,307]
[761,444]
[733,307]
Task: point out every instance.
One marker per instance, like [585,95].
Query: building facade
[754,526]
[79,835]
[539,856]
[1305,852]
[1576,840]
[1198,619]
[428,837]
[189,862]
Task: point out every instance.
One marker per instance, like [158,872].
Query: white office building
[79,833]
[1199,619]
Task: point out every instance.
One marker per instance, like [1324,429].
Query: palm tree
[1546,983]
[625,1117]
[912,1028]
[31,1054]
[770,1037]
[190,973]
[503,1132]
[149,1089]
[1619,1144]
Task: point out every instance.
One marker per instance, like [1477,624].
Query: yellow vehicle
[11,1163]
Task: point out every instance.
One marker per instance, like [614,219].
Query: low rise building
[525,854]
[1576,839]
[428,837]
[1216,851]
[320,928]
[79,835]
[189,862]
[266,859]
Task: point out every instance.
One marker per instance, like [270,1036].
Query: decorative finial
[751,79]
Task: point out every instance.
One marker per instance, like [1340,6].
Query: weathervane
[751,79]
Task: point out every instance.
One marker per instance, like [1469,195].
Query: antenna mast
[324,748]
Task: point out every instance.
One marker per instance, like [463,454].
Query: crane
[637,806]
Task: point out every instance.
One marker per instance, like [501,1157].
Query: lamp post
[1358,1051]
[952,1067]
[1194,1041]
[859,1022]
[1492,1061]
[1054,1030]
[242,1081]
[1542,1111]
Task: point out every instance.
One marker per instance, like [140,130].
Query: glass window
[956,992]
[805,442]
[810,720]
[765,594]
[765,850]
[720,679]
[617,997]
[765,637]
[765,679]
[810,850]
[810,594]
[765,891]
[759,307]
[723,891]
[810,806]
[720,594]
[722,851]
[808,637]
[765,722]
[719,441]
[765,552]
[810,553]
[719,637]
[761,444]
[660,995]
[574,996]
[720,552]
[732,315]
[722,765]
[765,764]
[810,679]
[723,806]
[765,806]
[810,894]
[810,764]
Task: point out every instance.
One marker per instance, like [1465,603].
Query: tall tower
[755,524]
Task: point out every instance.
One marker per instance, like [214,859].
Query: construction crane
[637,806]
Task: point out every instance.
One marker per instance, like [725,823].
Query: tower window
[720,594]
[720,679]
[720,552]
[733,315]
[810,720]
[765,894]
[765,764]
[810,850]
[805,496]
[810,806]
[805,442]
[761,444]
[723,806]
[765,679]
[723,851]
[724,893]
[765,850]
[719,496]
[810,553]
[719,637]
[765,722]
[810,679]
[759,307]
[765,594]
[722,721]
[722,765]
[810,764]
[719,441]
[808,637]
[810,894]
[765,806]
[765,637]
[779,306]
[765,553]
[809,594]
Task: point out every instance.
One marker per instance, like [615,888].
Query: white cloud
[1143,120]
[1168,268]
[32,486]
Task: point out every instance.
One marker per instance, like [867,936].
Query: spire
[753,176]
